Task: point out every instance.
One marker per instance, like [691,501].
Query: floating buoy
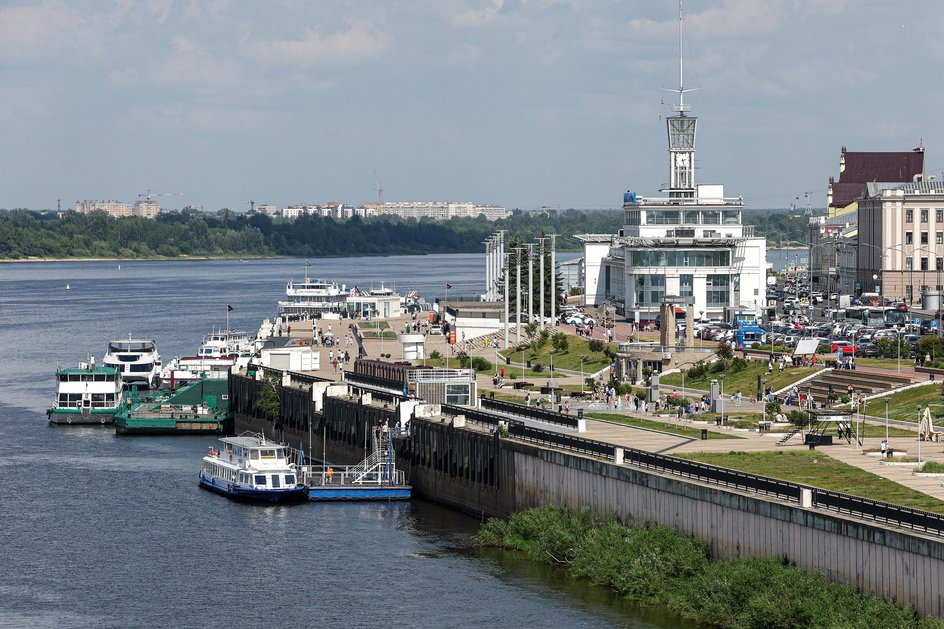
[68,287]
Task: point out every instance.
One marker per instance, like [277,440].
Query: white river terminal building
[689,243]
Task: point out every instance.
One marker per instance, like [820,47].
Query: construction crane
[380,192]
[147,195]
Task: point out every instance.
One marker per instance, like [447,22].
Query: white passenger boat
[87,394]
[215,358]
[312,298]
[252,468]
[136,360]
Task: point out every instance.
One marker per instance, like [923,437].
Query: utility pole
[541,241]
[506,258]
[518,251]
[530,247]
[553,238]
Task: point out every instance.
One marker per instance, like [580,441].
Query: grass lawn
[904,404]
[675,429]
[819,470]
[745,380]
[569,359]
[883,363]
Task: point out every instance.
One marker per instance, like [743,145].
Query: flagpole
[227,317]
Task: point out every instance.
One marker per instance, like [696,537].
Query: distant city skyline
[520,104]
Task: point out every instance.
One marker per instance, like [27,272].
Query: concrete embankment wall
[476,472]
[893,564]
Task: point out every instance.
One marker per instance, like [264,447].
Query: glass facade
[687,217]
[681,257]
[650,289]
[686,285]
[718,290]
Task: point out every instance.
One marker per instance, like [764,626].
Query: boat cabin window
[275,480]
[254,454]
[260,479]
[290,479]
[268,454]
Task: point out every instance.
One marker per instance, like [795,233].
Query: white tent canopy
[806,347]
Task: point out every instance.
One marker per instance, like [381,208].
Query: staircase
[862,381]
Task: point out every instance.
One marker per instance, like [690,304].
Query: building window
[909,216]
[939,238]
[940,265]
[686,285]
[718,290]
[924,264]
[939,216]
[924,215]
[650,289]
[909,238]
[924,238]
[909,263]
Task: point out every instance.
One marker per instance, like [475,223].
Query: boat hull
[96,417]
[326,493]
[233,491]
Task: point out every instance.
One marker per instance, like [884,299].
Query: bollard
[704,433]
[618,455]
[806,498]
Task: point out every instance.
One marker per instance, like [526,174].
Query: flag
[448,286]
[229,307]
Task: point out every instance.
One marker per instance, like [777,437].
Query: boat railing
[351,476]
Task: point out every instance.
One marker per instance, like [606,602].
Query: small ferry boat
[136,360]
[375,478]
[87,394]
[252,468]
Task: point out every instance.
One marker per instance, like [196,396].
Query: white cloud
[359,43]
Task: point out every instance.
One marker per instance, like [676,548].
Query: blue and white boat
[252,468]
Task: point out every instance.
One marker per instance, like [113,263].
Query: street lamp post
[919,434]
[583,357]
[886,420]
[683,386]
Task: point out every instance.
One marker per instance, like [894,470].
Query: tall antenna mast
[681,107]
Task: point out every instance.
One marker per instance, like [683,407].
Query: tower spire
[681,108]
[681,130]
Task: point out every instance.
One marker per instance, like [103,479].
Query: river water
[98,530]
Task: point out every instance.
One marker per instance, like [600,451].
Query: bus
[884,317]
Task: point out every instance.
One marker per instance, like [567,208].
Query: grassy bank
[819,470]
[744,380]
[904,404]
[563,359]
[657,566]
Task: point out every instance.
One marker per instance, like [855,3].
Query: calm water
[105,531]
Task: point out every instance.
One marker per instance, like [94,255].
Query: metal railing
[538,414]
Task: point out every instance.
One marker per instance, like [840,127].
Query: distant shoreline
[155,259]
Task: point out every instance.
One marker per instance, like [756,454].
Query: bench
[523,385]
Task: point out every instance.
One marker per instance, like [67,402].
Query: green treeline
[25,234]
[654,565]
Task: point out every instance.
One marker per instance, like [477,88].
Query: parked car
[838,344]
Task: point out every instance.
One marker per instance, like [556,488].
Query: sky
[522,103]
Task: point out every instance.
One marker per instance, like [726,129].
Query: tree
[269,400]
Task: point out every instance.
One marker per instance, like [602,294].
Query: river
[105,531]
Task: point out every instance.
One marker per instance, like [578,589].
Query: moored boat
[87,394]
[200,407]
[136,360]
[253,469]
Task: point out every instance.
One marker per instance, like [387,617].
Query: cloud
[357,44]
[31,33]
[479,17]
[193,119]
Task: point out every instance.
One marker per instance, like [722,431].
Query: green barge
[199,408]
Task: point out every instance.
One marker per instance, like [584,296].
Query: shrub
[435,355]
[537,367]
[559,342]
[718,366]
[725,350]
[596,345]
[738,364]
[697,370]
[481,364]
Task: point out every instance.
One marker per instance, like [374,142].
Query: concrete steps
[862,381]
